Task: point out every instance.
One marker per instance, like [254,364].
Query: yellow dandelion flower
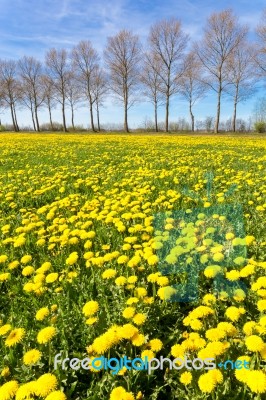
[166,292]
[26,259]
[14,337]
[261,305]
[218,257]
[117,393]
[46,384]
[242,374]
[206,384]
[29,270]
[233,313]
[138,339]
[163,281]
[72,258]
[147,353]
[13,265]
[4,276]
[5,372]
[32,357]
[56,395]
[249,327]
[4,329]
[141,292]
[212,270]
[186,378]
[3,258]
[196,324]
[90,308]
[239,261]
[177,351]
[20,241]
[128,312]
[109,273]
[132,279]
[132,300]
[121,281]
[256,381]
[155,345]
[232,275]
[127,331]
[51,277]
[215,334]
[42,313]
[122,259]
[153,260]
[92,320]
[254,343]
[26,391]
[139,319]
[208,299]
[8,390]
[229,236]
[46,334]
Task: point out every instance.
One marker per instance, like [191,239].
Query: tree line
[223,61]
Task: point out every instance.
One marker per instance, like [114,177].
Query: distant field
[94,232]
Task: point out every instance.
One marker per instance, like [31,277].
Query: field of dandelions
[100,237]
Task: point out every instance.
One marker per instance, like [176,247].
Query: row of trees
[223,61]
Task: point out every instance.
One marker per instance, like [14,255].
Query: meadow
[137,246]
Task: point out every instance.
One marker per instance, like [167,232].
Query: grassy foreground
[101,238]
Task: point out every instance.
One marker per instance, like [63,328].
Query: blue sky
[31,27]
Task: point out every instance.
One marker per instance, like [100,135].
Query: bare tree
[73,94]
[192,88]
[152,82]
[241,76]
[85,60]
[168,42]
[122,57]
[28,100]
[30,71]
[222,35]
[49,95]
[100,90]
[259,111]
[10,88]
[261,49]
[58,70]
[208,123]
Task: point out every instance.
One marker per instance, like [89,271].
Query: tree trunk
[91,104]
[37,120]
[91,114]
[125,118]
[50,115]
[17,127]
[234,117]
[218,111]
[98,115]
[64,116]
[167,113]
[72,116]
[155,116]
[192,117]
[32,116]
[13,117]
[235,106]
[167,101]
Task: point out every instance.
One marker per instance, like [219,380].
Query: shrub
[260,127]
